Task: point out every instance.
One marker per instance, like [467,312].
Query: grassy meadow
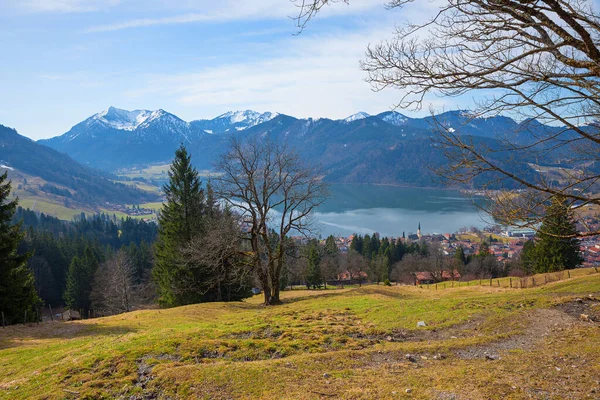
[356,343]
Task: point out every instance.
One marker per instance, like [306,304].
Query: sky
[65,60]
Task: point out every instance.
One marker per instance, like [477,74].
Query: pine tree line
[19,301]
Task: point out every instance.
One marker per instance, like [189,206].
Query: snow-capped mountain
[355,117]
[123,119]
[394,118]
[232,121]
[246,118]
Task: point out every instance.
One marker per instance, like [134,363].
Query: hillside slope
[39,171]
[360,343]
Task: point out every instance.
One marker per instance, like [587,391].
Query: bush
[387,283]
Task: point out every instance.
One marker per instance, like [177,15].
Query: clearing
[358,343]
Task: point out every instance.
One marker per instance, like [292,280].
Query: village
[505,243]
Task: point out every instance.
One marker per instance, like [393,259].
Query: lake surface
[391,210]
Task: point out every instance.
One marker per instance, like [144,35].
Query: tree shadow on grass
[26,334]
[324,294]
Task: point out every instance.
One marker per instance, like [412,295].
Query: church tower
[419,231]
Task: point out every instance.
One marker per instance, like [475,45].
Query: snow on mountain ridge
[123,119]
[395,118]
[355,117]
[249,118]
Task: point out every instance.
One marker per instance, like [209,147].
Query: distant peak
[393,117]
[123,119]
[247,118]
[357,116]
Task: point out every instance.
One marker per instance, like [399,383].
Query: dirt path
[541,323]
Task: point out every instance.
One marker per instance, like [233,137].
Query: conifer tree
[331,247]
[366,247]
[357,244]
[460,257]
[556,247]
[18,297]
[314,277]
[528,257]
[179,220]
[80,278]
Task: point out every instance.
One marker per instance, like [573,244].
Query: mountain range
[387,148]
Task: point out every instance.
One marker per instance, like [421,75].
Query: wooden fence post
[51,316]
[569,274]
[452,283]
[533,279]
[436,286]
[545,279]
[490,282]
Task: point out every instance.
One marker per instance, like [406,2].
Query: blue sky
[65,60]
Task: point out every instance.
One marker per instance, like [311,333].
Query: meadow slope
[358,343]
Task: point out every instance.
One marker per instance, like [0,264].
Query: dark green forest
[54,244]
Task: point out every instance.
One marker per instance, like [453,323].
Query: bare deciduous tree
[218,256]
[531,60]
[330,267]
[296,266]
[436,262]
[405,269]
[114,290]
[274,191]
[357,265]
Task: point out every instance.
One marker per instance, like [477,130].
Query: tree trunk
[274,300]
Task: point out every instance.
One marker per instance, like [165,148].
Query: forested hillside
[60,176]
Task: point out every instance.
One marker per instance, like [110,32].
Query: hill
[57,182]
[359,343]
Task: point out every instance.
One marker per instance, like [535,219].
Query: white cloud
[66,6]
[232,10]
[313,76]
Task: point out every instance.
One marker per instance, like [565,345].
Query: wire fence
[515,282]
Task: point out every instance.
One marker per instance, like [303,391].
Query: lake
[391,210]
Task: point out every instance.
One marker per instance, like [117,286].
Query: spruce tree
[80,278]
[460,257]
[18,297]
[366,247]
[331,247]
[556,247]
[528,257]
[180,219]
[314,277]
